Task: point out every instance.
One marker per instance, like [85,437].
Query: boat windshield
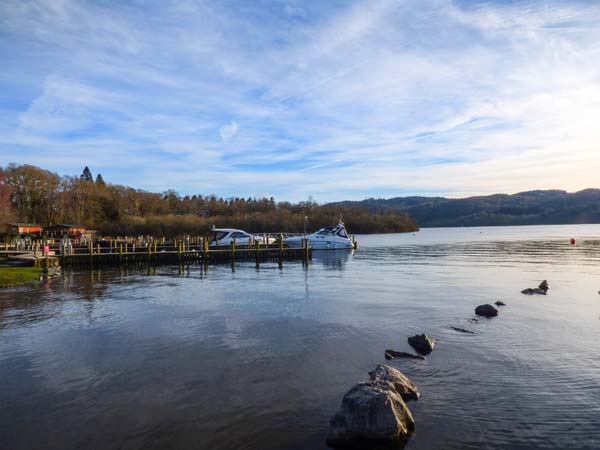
[342,233]
[218,235]
[328,230]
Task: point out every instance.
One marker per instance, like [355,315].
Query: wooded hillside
[525,208]
[32,194]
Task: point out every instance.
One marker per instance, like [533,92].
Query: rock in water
[531,291]
[499,303]
[462,330]
[486,311]
[421,343]
[391,354]
[403,386]
[542,289]
[371,411]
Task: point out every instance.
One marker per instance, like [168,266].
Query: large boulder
[371,411]
[403,386]
[422,343]
[486,311]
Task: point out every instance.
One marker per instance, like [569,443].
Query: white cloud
[228,132]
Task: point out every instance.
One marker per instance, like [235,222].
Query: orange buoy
[572,241]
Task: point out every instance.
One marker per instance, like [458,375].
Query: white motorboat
[328,238]
[224,236]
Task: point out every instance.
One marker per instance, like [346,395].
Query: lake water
[260,358]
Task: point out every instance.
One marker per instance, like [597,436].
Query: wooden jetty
[179,252]
[151,251]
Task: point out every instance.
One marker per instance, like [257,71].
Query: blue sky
[333,99]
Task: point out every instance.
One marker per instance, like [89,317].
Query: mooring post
[205,247]
[233,249]
[280,245]
[257,245]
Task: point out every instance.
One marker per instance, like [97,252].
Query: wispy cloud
[287,98]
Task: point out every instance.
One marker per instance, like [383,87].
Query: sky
[288,98]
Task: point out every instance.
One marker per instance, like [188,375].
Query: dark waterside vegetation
[550,207]
[31,194]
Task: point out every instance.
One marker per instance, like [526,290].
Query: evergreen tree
[87,175]
[100,180]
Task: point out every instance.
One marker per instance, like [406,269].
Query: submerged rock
[462,330]
[371,411]
[486,310]
[422,343]
[542,289]
[531,291]
[391,354]
[403,386]
[499,303]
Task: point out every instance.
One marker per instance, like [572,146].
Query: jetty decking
[115,252]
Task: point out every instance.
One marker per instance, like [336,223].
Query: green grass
[12,276]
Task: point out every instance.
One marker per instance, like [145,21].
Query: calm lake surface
[260,358]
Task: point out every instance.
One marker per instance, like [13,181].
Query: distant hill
[524,208]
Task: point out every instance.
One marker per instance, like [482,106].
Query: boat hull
[319,244]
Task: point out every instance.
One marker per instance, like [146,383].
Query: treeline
[31,194]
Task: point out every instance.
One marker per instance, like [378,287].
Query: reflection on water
[258,357]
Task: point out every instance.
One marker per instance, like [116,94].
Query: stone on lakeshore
[391,354]
[371,411]
[421,343]
[486,311]
[403,386]
[500,303]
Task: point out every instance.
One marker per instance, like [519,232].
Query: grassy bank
[12,276]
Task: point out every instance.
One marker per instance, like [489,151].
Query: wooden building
[67,230]
[24,228]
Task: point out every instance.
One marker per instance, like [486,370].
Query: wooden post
[257,245]
[233,249]
[280,245]
[205,244]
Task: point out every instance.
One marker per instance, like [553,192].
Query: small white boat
[328,238]
[224,237]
